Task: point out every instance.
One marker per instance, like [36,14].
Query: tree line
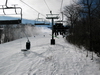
[83,17]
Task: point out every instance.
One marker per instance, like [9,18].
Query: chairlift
[61,20]
[5,7]
[2,22]
[41,21]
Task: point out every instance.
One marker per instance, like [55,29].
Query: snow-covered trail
[45,59]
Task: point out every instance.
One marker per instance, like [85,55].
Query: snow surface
[45,59]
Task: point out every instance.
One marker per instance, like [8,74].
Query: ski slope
[45,59]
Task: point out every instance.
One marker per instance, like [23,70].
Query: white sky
[39,5]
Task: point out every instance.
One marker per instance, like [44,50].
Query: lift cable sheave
[32,7]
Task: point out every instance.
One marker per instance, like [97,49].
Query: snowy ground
[45,59]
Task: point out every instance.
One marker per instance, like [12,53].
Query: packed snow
[45,59]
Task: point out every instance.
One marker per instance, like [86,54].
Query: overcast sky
[39,5]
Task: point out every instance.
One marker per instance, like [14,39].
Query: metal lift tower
[52,17]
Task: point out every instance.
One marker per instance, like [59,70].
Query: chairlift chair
[2,22]
[60,21]
[41,21]
[11,22]
[47,22]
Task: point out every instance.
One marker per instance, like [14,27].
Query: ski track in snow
[45,59]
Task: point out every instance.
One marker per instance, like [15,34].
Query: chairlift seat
[41,21]
[41,24]
[10,22]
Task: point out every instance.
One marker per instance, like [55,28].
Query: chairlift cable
[6,3]
[47,5]
[61,6]
[32,8]
[61,9]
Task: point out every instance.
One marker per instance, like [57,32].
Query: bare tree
[72,14]
[85,23]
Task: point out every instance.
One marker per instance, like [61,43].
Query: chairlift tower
[52,17]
